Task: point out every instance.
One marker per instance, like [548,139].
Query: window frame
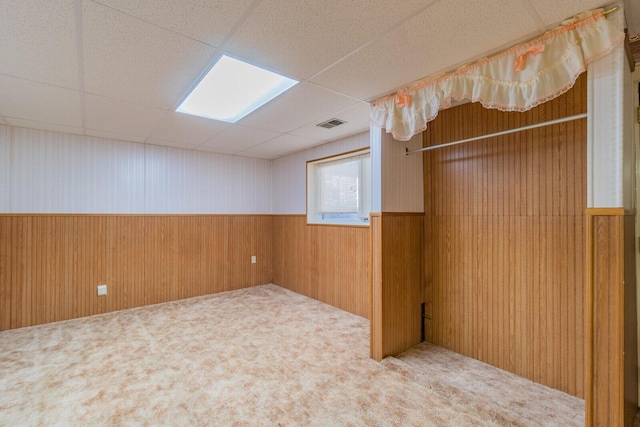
[311,167]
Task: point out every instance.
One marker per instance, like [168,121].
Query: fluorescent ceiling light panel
[232,89]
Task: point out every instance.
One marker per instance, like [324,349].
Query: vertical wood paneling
[396,277]
[612,382]
[504,238]
[238,254]
[328,263]
[375,293]
[260,245]
[629,319]
[401,272]
[50,265]
[125,254]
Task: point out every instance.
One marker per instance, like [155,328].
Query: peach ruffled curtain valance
[517,79]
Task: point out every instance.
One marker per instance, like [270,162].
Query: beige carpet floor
[261,356]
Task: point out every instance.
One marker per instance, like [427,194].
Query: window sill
[351,224]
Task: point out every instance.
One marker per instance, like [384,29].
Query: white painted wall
[187,181]
[51,172]
[634,97]
[376,168]
[57,173]
[5,169]
[402,178]
[629,146]
[397,180]
[610,153]
[290,172]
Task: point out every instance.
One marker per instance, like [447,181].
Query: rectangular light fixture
[232,89]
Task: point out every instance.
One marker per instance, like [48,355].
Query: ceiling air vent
[331,123]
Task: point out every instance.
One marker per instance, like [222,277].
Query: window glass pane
[339,186]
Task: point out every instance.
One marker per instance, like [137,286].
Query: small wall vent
[331,123]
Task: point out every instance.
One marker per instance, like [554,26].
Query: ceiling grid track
[534,15]
[374,39]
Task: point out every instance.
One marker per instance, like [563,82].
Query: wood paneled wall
[612,373]
[396,282]
[504,239]
[50,265]
[328,263]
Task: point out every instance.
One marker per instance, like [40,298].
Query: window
[339,189]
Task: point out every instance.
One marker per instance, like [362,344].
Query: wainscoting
[328,263]
[610,304]
[504,239]
[396,253]
[50,265]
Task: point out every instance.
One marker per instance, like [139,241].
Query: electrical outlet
[102,290]
[253,259]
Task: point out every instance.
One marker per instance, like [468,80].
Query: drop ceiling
[118,68]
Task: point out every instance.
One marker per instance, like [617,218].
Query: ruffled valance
[517,79]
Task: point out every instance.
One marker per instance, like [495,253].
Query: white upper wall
[51,172]
[397,181]
[187,181]
[290,172]
[610,153]
[402,178]
[5,169]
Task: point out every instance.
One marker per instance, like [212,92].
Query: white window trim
[314,216]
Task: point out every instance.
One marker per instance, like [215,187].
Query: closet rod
[504,132]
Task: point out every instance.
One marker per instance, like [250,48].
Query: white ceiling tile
[356,118]
[132,60]
[301,38]
[186,129]
[44,126]
[124,118]
[202,20]
[300,105]
[282,145]
[28,100]
[553,12]
[448,34]
[38,41]
[237,138]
